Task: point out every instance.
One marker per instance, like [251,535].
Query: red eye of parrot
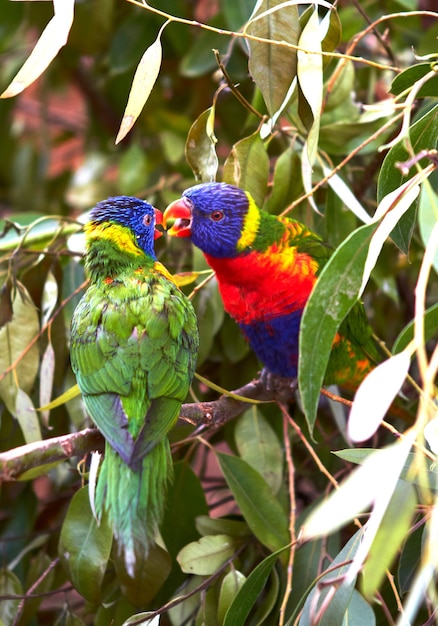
[217,216]
[147,220]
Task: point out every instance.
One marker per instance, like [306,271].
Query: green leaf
[150,573]
[359,612]
[200,147]
[428,216]
[273,67]
[180,507]
[407,334]
[392,531]
[143,82]
[335,293]
[408,77]
[250,591]
[423,136]
[205,557]
[259,446]
[84,547]
[221,526]
[341,599]
[287,185]
[247,167]
[410,559]
[260,508]
[15,337]
[231,584]
[9,585]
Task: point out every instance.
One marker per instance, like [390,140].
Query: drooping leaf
[392,532]
[47,371]
[372,482]
[9,586]
[84,547]
[15,338]
[52,39]
[247,166]
[231,584]
[144,80]
[259,446]
[310,79]
[260,508]
[150,573]
[341,599]
[407,334]
[27,417]
[272,66]
[334,294]
[376,394]
[180,507]
[428,216]
[250,591]
[408,77]
[423,136]
[204,557]
[200,147]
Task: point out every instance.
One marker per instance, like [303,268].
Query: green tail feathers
[134,499]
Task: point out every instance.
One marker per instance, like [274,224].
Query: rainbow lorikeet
[266,267]
[134,342]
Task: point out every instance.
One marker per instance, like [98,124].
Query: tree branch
[15,463]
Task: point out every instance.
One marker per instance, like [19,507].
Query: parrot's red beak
[158,221]
[181,214]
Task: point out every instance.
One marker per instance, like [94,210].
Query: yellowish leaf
[144,79]
[52,39]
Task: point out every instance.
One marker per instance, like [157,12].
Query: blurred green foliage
[302,134]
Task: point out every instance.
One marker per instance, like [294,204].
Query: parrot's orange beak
[181,214]
[158,221]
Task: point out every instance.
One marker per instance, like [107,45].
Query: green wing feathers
[134,347]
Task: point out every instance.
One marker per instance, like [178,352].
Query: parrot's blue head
[221,219]
[126,221]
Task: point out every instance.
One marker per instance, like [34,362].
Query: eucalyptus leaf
[84,547]
[423,135]
[260,508]
[392,531]
[250,591]
[333,296]
[259,446]
[231,584]
[206,556]
[200,147]
[272,66]
[15,338]
[339,603]
[247,167]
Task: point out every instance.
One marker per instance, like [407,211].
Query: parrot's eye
[217,216]
[147,220]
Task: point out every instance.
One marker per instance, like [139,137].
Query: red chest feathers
[261,286]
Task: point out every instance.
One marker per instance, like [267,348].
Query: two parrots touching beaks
[134,336]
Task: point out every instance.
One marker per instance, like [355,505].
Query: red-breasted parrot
[134,342]
[266,267]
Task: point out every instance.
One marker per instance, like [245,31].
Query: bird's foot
[280,388]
